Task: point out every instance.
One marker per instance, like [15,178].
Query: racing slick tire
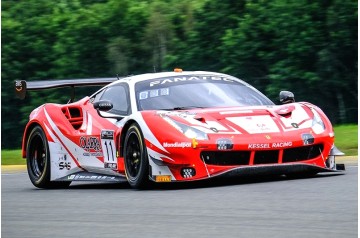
[136,159]
[38,160]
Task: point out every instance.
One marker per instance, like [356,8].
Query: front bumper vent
[302,153]
[228,158]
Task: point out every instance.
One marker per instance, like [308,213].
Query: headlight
[318,125]
[188,131]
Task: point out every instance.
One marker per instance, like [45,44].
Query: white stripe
[255,124]
[89,125]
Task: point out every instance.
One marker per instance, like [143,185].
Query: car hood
[247,120]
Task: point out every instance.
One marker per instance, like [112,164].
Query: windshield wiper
[181,108]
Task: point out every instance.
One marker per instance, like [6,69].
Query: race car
[170,127]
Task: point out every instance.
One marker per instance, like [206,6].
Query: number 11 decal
[108,148]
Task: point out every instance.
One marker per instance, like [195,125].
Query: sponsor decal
[262,127]
[268,137]
[259,146]
[63,163]
[105,134]
[154,93]
[163,178]
[224,144]
[281,144]
[18,86]
[270,145]
[90,177]
[308,139]
[177,144]
[189,78]
[194,143]
[90,143]
[96,154]
[110,165]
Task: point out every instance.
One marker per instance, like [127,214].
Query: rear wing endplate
[22,86]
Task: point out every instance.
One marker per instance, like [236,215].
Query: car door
[99,133]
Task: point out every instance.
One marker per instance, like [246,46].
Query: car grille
[262,156]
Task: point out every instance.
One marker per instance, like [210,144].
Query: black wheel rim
[37,156]
[133,155]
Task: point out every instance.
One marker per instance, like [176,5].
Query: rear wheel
[135,156]
[38,161]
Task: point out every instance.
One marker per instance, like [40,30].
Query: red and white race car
[172,126]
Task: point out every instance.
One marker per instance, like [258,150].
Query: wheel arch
[123,134]
[28,129]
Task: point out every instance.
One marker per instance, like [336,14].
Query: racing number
[108,148]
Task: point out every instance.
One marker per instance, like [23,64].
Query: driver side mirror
[286,97]
[103,106]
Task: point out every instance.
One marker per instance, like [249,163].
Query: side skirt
[87,176]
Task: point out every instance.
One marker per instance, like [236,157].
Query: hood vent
[200,119]
[285,111]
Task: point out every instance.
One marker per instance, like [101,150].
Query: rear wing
[21,86]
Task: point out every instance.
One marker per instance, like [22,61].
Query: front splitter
[279,169]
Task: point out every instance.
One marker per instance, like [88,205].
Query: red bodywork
[185,145]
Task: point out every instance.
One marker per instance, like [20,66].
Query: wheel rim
[133,155]
[37,156]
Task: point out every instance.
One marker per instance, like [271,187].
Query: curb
[349,160]
[12,168]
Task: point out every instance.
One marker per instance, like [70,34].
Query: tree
[297,51]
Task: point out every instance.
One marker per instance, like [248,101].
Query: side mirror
[103,106]
[286,97]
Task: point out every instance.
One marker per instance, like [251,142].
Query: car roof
[149,76]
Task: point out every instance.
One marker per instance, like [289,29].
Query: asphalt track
[322,206]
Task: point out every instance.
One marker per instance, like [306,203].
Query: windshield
[199,91]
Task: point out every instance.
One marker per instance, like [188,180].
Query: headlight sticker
[224,144]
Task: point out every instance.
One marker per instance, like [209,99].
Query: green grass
[346,140]
[11,157]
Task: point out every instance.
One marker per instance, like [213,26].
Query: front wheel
[135,156]
[38,160]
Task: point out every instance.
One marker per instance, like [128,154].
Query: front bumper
[280,169]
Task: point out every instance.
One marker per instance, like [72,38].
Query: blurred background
[308,47]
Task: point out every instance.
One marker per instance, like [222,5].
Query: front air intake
[302,153]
